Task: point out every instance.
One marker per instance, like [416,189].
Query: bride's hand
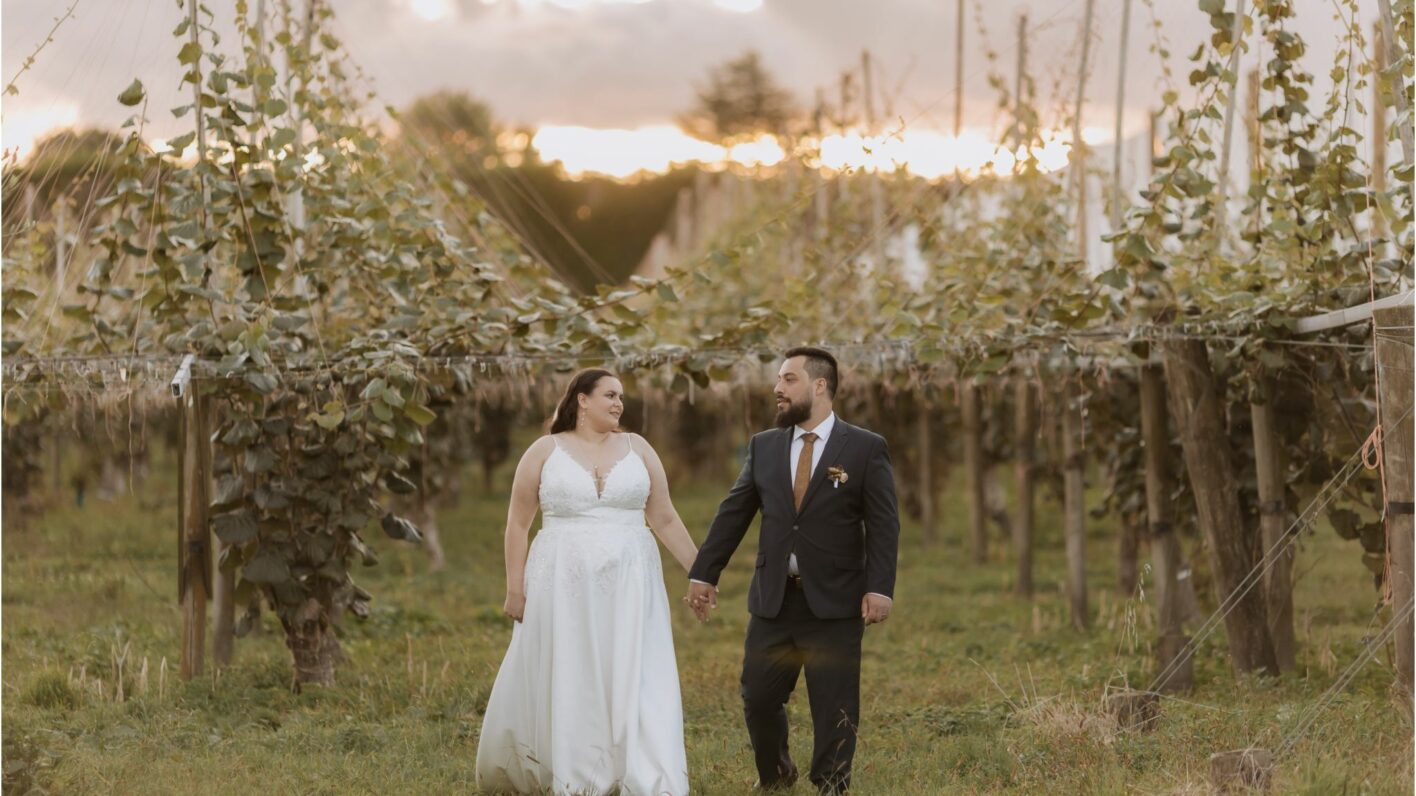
[515,606]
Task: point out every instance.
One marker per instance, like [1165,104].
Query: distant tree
[591,230]
[741,99]
[458,124]
[70,162]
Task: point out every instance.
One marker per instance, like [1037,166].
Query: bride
[587,699]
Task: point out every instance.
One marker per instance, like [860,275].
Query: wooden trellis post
[1164,545]
[1395,365]
[194,553]
[1025,449]
[973,467]
[1074,494]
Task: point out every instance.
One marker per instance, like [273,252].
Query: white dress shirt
[823,433]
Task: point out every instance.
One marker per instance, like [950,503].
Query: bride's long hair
[583,383]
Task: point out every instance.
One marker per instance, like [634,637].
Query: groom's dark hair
[819,364]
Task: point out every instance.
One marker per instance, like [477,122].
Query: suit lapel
[829,457]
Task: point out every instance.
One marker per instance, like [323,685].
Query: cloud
[624,64]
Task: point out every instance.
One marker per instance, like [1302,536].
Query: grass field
[966,690]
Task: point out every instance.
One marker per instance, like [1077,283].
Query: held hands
[515,606]
[874,609]
[702,598]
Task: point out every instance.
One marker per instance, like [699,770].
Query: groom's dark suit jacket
[845,537]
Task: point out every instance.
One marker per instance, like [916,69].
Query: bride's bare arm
[660,512]
[525,500]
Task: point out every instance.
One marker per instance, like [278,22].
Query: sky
[593,67]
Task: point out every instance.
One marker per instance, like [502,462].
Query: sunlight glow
[432,10]
[739,6]
[656,149]
[23,127]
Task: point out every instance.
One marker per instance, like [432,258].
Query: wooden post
[1025,447]
[1273,515]
[1079,148]
[198,111]
[1019,76]
[973,465]
[1075,508]
[1379,133]
[821,199]
[844,180]
[685,241]
[1194,397]
[1256,143]
[1164,545]
[1389,42]
[959,70]
[1117,203]
[928,516]
[1221,205]
[194,562]
[877,189]
[1394,368]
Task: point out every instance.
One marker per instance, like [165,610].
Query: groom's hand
[702,598]
[874,609]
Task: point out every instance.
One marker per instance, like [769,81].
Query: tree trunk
[315,651]
[1025,446]
[1278,558]
[1075,508]
[432,538]
[1194,397]
[1127,555]
[1174,675]
[223,609]
[926,473]
[1394,362]
[973,463]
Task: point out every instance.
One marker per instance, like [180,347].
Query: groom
[825,568]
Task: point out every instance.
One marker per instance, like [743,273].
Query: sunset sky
[602,80]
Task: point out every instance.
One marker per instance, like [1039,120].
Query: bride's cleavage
[598,480]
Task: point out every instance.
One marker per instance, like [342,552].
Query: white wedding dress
[587,699]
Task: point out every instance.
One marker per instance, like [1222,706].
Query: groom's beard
[795,414]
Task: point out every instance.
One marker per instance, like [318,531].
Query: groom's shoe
[783,782]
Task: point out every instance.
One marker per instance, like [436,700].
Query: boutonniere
[838,475]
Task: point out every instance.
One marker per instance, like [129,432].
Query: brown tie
[803,471]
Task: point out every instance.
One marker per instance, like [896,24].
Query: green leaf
[666,292]
[329,419]
[266,567]
[399,485]
[229,491]
[420,414]
[259,460]
[399,528]
[133,94]
[189,53]
[235,527]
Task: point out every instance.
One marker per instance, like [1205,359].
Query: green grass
[967,689]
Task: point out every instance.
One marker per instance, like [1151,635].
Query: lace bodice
[568,490]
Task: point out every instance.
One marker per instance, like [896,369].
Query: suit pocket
[847,562]
[761,560]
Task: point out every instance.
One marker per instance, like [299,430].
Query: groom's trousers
[776,652]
